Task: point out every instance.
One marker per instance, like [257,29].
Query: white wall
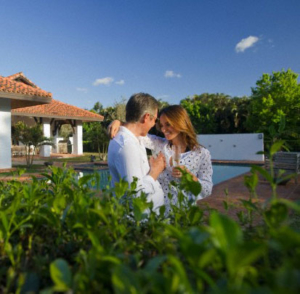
[5,133]
[234,146]
[77,139]
[56,141]
[45,150]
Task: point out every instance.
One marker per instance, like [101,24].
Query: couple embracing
[127,157]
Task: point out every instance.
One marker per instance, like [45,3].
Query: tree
[239,111]
[276,96]
[217,113]
[94,133]
[162,104]
[66,131]
[120,109]
[32,137]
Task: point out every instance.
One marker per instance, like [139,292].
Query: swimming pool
[224,172]
[221,172]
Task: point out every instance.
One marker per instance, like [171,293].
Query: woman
[178,130]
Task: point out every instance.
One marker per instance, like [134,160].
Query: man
[127,157]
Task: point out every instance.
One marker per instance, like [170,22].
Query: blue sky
[93,50]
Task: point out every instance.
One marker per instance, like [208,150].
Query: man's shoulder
[123,138]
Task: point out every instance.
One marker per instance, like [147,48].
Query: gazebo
[52,116]
[22,100]
[15,93]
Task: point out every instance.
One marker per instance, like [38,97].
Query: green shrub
[59,235]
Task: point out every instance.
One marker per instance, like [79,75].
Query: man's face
[150,120]
[153,119]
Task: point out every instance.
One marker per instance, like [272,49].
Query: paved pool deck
[237,190]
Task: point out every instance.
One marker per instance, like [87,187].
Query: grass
[33,169]
[86,157]
[38,168]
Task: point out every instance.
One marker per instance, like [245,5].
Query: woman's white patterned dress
[197,161]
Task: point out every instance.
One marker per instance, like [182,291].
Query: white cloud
[85,90]
[104,81]
[163,96]
[246,43]
[121,82]
[172,74]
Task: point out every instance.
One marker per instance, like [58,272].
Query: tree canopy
[217,113]
[276,97]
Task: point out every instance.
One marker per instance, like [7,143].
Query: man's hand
[113,128]
[157,165]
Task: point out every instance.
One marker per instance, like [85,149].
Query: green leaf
[291,204]
[244,255]
[276,214]
[225,232]
[180,279]
[121,188]
[276,147]
[188,184]
[4,221]
[140,205]
[154,264]
[249,205]
[125,281]
[85,179]
[195,215]
[61,275]
[263,172]
[95,241]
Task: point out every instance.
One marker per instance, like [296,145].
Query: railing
[286,161]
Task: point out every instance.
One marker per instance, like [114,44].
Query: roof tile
[10,85]
[59,109]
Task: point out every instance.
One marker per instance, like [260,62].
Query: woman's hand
[113,128]
[176,173]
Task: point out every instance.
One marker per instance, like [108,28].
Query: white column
[55,141]
[77,139]
[5,133]
[46,150]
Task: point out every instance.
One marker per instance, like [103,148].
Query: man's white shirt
[127,158]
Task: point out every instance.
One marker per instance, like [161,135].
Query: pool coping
[237,162]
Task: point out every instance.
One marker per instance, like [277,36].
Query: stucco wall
[234,146]
[5,133]
[77,139]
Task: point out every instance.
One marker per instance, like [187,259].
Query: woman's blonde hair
[179,119]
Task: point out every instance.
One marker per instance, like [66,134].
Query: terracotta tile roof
[20,77]
[57,109]
[19,84]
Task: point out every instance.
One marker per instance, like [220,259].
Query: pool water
[224,172]
[221,173]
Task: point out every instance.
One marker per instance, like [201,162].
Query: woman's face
[169,132]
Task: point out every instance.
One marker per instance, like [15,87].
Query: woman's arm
[153,142]
[113,128]
[203,174]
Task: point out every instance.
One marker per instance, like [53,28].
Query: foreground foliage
[58,235]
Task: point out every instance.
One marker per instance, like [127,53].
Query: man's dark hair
[139,104]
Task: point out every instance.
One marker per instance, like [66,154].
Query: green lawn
[86,157]
[33,169]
